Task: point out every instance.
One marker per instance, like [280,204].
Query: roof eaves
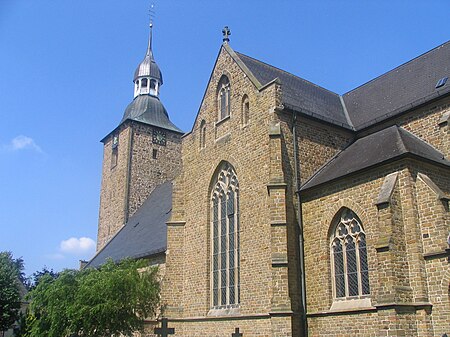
[104,247]
[404,155]
[313,115]
[415,104]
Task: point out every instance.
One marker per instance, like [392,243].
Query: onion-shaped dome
[148,109]
[148,66]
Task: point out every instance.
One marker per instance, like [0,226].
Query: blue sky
[66,70]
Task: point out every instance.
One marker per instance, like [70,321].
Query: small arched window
[152,84]
[349,257]
[245,110]
[223,98]
[202,134]
[144,83]
[225,239]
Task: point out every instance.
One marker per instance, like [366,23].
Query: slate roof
[148,109]
[375,149]
[299,94]
[398,90]
[144,234]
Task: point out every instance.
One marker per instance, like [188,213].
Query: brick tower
[143,151]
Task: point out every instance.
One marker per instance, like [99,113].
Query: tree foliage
[109,301]
[10,276]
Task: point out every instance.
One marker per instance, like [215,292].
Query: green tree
[109,301]
[10,275]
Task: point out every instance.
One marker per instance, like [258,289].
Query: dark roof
[144,234]
[148,109]
[375,149]
[299,94]
[408,85]
[403,88]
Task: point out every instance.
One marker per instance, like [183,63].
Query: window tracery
[349,257]
[225,239]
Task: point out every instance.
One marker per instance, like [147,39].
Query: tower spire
[147,77]
[150,36]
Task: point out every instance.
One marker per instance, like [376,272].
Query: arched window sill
[221,312]
[351,304]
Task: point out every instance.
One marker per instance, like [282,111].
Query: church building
[287,210]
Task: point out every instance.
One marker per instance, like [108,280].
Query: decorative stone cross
[164,331]
[236,333]
[226,32]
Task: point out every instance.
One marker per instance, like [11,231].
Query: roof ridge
[397,67]
[286,72]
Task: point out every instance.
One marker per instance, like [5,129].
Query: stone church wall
[247,148]
[113,189]
[406,285]
[147,172]
[126,185]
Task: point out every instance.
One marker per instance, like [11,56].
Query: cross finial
[226,32]
[164,330]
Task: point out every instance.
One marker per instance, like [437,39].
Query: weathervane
[152,13]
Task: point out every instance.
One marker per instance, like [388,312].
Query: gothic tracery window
[223,98]
[225,239]
[349,257]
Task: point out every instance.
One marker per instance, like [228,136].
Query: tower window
[155,153]
[152,84]
[144,83]
[223,98]
[115,150]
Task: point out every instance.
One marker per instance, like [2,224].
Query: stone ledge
[437,254]
[275,184]
[279,223]
[176,223]
[220,318]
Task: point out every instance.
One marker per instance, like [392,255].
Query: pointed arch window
[223,98]
[225,239]
[349,257]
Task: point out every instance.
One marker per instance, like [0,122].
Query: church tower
[143,151]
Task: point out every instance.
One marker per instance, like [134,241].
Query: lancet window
[223,98]
[225,239]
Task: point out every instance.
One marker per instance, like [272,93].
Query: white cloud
[22,142]
[78,246]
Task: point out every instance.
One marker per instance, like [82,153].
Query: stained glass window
[225,239]
[349,257]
